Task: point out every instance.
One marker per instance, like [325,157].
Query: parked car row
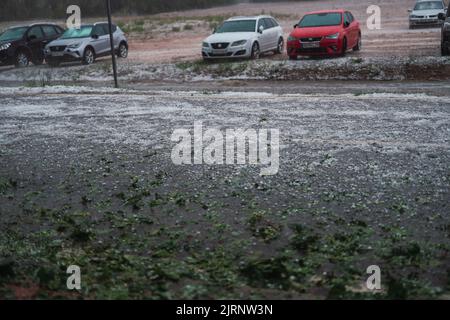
[38,42]
[330,33]
[318,33]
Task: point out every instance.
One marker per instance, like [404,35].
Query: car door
[35,38]
[115,36]
[51,33]
[269,33]
[264,37]
[100,39]
[353,29]
[278,31]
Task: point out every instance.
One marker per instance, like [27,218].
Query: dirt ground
[86,178]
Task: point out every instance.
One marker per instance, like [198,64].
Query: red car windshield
[321,20]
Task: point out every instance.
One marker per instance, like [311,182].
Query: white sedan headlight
[205,45]
[239,43]
[333,36]
[5,46]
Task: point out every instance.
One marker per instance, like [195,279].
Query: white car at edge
[244,37]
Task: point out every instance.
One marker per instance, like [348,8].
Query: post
[111,40]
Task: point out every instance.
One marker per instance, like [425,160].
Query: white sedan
[244,37]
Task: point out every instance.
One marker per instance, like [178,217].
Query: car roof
[249,17]
[34,24]
[327,11]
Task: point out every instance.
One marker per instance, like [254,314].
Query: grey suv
[86,44]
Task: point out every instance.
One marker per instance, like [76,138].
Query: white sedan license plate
[58,53]
[311,45]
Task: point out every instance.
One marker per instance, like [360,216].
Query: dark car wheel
[444,50]
[88,56]
[53,62]
[280,46]
[38,61]
[255,51]
[344,47]
[22,59]
[358,44]
[293,58]
[123,51]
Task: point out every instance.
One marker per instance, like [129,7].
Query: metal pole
[111,40]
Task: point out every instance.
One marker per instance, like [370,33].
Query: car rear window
[106,28]
[321,20]
[237,26]
[50,31]
[36,32]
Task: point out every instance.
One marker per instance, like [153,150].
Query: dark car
[20,45]
[445,40]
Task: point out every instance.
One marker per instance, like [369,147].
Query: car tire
[280,46]
[444,50]
[256,53]
[22,59]
[122,52]
[53,63]
[88,56]
[358,44]
[344,47]
[38,61]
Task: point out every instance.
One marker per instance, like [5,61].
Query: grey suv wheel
[123,51]
[89,56]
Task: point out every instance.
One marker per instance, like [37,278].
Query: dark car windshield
[13,34]
[237,26]
[321,20]
[83,32]
[429,5]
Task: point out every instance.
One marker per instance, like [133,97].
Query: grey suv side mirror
[95,36]
[261,29]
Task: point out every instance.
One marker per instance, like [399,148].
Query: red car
[328,33]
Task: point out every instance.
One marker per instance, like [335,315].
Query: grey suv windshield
[13,34]
[237,26]
[431,5]
[83,32]
[321,20]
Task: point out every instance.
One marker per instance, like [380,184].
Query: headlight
[239,43]
[291,38]
[205,45]
[73,45]
[413,16]
[333,36]
[5,46]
